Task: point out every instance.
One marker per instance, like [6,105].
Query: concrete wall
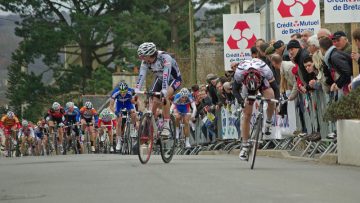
[348,142]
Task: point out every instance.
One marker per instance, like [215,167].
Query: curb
[282,154]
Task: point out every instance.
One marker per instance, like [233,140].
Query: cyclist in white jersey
[250,77]
[167,81]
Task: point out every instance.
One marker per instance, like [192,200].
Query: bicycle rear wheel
[126,147]
[255,135]
[167,146]
[145,138]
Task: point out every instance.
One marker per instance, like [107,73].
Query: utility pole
[192,44]
[267,21]
[241,6]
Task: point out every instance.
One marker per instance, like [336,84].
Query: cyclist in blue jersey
[181,107]
[122,98]
[167,81]
[72,116]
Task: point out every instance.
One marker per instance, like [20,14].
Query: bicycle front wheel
[255,135]
[167,145]
[145,138]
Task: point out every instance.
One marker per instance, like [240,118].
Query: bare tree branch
[101,8]
[61,5]
[200,5]
[77,5]
[57,12]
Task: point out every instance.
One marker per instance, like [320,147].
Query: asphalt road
[219,178]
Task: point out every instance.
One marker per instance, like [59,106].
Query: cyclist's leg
[22,146]
[186,120]
[245,130]
[177,123]
[269,94]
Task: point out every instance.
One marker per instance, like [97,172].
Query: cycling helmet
[56,106]
[146,49]
[123,87]
[10,114]
[252,80]
[184,92]
[88,105]
[24,123]
[69,104]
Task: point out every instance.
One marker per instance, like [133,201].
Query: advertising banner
[240,34]
[295,16]
[345,11]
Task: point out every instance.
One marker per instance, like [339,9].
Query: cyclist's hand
[163,93]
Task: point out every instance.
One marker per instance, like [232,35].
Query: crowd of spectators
[312,69]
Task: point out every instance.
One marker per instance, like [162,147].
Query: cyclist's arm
[172,107]
[166,72]
[32,134]
[142,76]
[236,91]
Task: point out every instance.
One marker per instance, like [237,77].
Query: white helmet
[88,105]
[56,106]
[10,114]
[184,92]
[24,123]
[146,49]
[69,104]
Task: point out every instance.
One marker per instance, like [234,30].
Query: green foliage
[346,108]
[101,82]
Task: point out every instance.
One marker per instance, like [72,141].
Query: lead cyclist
[167,80]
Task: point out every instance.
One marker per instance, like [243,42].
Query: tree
[93,30]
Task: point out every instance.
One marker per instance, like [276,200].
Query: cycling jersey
[57,116]
[107,120]
[183,107]
[165,68]
[255,63]
[122,102]
[72,116]
[89,114]
[26,131]
[9,122]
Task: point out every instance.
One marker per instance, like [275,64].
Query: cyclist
[56,114]
[40,131]
[122,97]
[250,77]
[9,123]
[107,118]
[88,116]
[181,106]
[72,116]
[168,77]
[26,134]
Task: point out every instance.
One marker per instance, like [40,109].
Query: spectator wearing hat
[297,54]
[280,48]
[262,50]
[212,79]
[337,62]
[341,42]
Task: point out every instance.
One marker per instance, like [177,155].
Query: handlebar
[261,98]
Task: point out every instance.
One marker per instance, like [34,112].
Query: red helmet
[252,80]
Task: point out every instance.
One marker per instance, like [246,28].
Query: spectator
[280,48]
[341,42]
[262,50]
[313,44]
[297,54]
[211,79]
[254,52]
[339,62]
[356,36]
[305,36]
[296,36]
[287,79]
[323,32]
